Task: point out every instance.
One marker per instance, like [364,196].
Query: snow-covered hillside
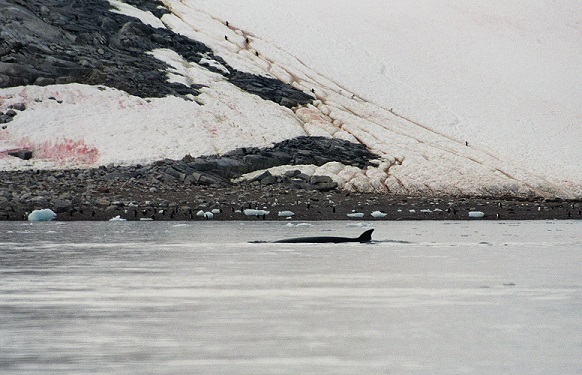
[457,97]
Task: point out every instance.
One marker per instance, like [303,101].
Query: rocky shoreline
[57,42]
[104,193]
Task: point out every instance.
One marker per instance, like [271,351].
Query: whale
[364,237]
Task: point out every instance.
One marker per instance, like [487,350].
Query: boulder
[60,205]
[22,154]
[269,180]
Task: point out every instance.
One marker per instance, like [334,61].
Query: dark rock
[22,154]
[257,162]
[60,205]
[201,178]
[39,201]
[302,176]
[320,180]
[325,186]
[44,81]
[53,41]
[261,176]
[18,106]
[270,89]
[5,119]
[11,113]
[292,173]
[269,180]
[180,176]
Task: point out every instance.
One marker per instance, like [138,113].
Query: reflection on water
[437,298]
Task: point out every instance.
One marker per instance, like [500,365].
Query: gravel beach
[104,193]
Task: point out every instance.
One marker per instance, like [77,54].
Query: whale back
[364,237]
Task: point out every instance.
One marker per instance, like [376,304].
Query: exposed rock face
[214,170]
[44,42]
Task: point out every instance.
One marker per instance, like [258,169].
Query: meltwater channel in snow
[171,297]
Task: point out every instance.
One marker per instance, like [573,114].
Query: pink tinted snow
[66,151]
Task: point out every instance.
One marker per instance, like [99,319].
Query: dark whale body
[365,237]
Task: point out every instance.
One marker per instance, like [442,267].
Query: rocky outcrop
[44,42]
[220,170]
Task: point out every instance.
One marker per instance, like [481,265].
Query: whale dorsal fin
[366,236]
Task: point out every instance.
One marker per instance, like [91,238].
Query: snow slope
[502,75]
[414,82]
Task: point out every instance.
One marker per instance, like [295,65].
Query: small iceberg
[356,215]
[378,214]
[45,214]
[117,218]
[476,214]
[285,213]
[251,212]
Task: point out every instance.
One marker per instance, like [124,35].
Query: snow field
[382,91]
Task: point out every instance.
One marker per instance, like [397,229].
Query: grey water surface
[198,298]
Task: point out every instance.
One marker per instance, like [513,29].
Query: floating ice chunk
[45,214]
[299,225]
[208,215]
[216,211]
[146,219]
[200,213]
[117,218]
[476,214]
[285,213]
[251,212]
[378,214]
[356,214]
